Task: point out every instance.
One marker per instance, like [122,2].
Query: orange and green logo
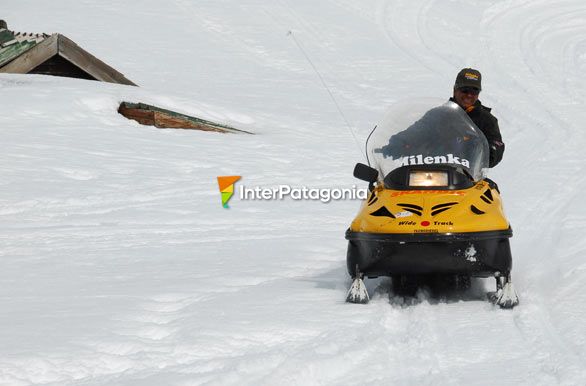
[226,184]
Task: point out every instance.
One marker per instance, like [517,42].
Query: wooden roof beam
[89,63]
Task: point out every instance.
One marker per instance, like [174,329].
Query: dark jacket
[489,125]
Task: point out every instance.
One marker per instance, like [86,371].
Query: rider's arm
[495,142]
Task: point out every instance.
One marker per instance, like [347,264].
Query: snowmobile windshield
[416,133]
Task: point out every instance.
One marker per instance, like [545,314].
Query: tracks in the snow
[535,92]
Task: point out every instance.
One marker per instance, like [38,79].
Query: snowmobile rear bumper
[382,254]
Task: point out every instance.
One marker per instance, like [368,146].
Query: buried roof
[27,53]
[167,119]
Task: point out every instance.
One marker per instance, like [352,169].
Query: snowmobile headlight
[428,178]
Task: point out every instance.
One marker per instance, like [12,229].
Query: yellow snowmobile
[431,210]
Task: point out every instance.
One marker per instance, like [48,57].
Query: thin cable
[290,33]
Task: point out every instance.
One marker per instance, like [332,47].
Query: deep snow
[119,266]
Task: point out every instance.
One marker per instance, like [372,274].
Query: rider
[466,90]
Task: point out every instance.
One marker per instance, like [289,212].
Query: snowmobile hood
[477,209]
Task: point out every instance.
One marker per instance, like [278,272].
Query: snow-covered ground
[119,266]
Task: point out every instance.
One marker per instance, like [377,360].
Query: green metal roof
[14,44]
